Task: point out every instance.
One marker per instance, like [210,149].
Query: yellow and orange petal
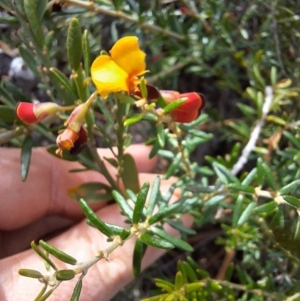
[119,71]
[108,76]
[126,53]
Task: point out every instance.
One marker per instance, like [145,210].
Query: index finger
[45,190]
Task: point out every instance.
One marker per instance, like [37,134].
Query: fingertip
[140,153]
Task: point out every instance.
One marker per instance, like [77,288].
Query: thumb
[103,279]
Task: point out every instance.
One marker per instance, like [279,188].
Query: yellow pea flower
[119,71]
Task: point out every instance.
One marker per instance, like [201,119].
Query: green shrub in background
[244,56]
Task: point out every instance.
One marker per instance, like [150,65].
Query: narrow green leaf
[237,211]
[132,196]
[7,114]
[94,219]
[86,52]
[192,125]
[266,208]
[269,176]
[116,230]
[78,82]
[161,135]
[246,214]
[179,281]
[138,254]
[292,139]
[112,161]
[49,40]
[241,188]
[74,44]
[16,92]
[129,174]
[174,104]
[190,273]
[30,273]
[177,242]
[166,212]
[193,287]
[273,75]
[140,203]
[26,156]
[278,220]
[164,284]
[77,290]
[293,201]
[155,149]
[289,188]
[43,255]
[64,275]
[153,195]
[178,225]
[57,253]
[30,7]
[258,76]
[215,200]
[297,230]
[166,154]
[143,88]
[30,61]
[47,295]
[134,119]
[182,270]
[63,80]
[224,174]
[250,177]
[6,98]
[91,192]
[41,8]
[173,166]
[106,112]
[155,242]
[126,209]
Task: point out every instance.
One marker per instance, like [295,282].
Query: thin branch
[119,15]
[255,133]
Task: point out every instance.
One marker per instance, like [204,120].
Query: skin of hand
[41,208]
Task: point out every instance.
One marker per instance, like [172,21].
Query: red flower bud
[190,109]
[30,113]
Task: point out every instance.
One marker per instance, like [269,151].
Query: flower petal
[190,109]
[108,76]
[66,139]
[127,54]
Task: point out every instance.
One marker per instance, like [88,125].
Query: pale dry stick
[255,133]
[245,288]
[293,298]
[230,254]
[90,5]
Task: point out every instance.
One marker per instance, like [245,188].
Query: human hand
[40,208]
